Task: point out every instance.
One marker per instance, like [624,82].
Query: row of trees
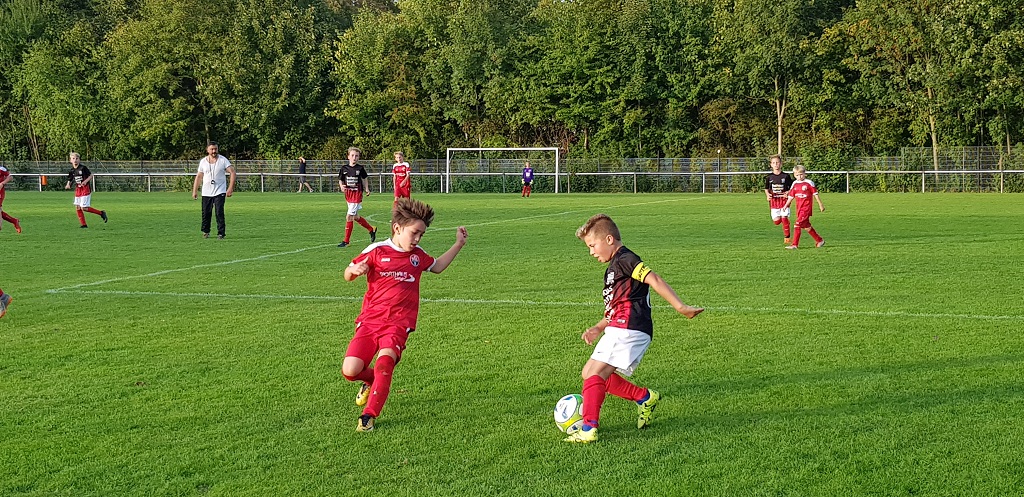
[154,79]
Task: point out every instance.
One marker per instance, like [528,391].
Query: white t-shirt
[215,181]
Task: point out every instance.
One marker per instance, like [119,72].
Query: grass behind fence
[141,359]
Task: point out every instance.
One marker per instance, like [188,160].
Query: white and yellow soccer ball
[569,413]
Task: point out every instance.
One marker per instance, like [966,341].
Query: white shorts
[622,348]
[353,209]
[83,201]
[777,213]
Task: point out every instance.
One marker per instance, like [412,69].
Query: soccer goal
[499,169]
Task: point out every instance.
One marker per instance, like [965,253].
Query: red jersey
[393,284]
[803,192]
[4,173]
[401,172]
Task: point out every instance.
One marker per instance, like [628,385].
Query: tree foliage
[154,79]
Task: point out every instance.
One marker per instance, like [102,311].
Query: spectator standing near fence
[302,176]
[82,178]
[217,176]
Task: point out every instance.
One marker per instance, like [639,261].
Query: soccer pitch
[141,359]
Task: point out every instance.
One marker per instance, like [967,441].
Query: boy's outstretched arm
[662,288]
[445,259]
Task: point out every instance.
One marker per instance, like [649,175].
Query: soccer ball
[569,413]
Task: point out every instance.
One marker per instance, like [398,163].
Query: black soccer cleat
[103,214]
[343,244]
[373,235]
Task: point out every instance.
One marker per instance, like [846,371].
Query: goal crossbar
[450,151]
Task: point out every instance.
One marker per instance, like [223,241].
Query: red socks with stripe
[594,389]
[92,210]
[785,227]
[348,231]
[362,222]
[381,387]
[81,216]
[814,235]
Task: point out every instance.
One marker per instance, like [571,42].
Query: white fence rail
[580,182]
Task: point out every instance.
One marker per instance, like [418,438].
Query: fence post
[149,183]
[262,188]
[847,181]
[922,180]
[703,182]
[634,182]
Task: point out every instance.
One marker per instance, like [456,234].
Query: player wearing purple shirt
[527,180]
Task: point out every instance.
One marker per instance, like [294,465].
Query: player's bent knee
[352,367]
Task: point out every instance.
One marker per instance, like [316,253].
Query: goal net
[499,169]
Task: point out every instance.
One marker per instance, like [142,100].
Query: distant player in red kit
[352,180]
[527,180]
[776,186]
[627,327]
[393,269]
[803,191]
[5,177]
[82,178]
[403,183]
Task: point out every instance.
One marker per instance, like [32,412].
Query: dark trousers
[211,204]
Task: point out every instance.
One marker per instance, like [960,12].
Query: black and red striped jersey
[627,299]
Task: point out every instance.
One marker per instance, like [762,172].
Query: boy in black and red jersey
[352,180]
[627,327]
[82,179]
[776,187]
[391,305]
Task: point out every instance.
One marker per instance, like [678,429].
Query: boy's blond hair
[407,210]
[799,169]
[600,225]
[350,149]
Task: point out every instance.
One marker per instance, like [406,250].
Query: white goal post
[449,152]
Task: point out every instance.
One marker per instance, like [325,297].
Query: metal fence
[1006,181]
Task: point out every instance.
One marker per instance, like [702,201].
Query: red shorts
[371,338]
[803,222]
[403,192]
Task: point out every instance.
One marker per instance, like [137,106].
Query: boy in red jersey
[803,190]
[626,325]
[391,305]
[403,186]
[5,177]
[776,186]
[5,301]
[352,180]
[82,178]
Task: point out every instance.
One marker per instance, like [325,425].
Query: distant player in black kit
[626,325]
[352,180]
[776,188]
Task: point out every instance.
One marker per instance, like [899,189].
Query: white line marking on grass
[519,302]
[178,270]
[296,251]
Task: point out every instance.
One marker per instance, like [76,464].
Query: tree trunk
[780,114]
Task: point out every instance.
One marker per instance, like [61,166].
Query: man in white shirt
[214,171]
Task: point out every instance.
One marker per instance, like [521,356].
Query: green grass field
[141,359]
